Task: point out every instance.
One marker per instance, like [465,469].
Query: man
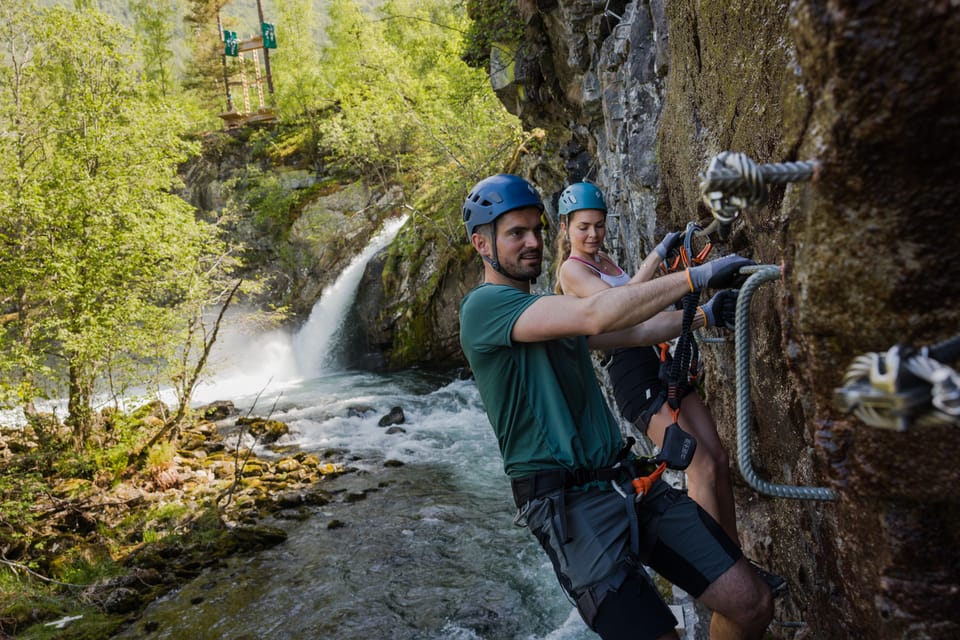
[574,485]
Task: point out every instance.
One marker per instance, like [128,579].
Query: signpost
[233,47]
[269,35]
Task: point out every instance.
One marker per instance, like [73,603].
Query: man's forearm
[623,307]
[662,327]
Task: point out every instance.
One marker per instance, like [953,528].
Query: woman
[584,269]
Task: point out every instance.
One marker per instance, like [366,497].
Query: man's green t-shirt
[542,398]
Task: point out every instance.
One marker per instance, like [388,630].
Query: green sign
[231,46]
[269,35]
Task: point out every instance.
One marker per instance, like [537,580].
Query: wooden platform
[232,119]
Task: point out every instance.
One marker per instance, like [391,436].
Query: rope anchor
[733,181]
[903,387]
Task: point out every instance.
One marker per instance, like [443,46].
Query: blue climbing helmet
[581,195]
[494,196]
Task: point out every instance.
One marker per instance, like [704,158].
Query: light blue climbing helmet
[581,195]
[494,196]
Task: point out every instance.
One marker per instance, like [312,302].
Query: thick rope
[733,181]
[761,274]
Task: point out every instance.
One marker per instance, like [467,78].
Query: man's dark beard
[534,272]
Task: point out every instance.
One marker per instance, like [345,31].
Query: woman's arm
[647,268]
[660,328]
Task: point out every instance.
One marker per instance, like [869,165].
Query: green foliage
[492,21]
[295,64]
[19,489]
[154,23]
[405,102]
[112,459]
[272,203]
[160,455]
[104,261]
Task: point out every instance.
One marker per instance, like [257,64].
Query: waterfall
[248,365]
[314,344]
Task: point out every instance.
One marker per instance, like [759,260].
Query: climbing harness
[641,472]
[904,387]
[686,366]
[678,446]
[761,274]
[733,181]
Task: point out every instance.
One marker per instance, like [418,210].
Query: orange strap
[643,485]
[702,256]
[664,350]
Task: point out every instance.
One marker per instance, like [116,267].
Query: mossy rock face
[871,92]
[265,430]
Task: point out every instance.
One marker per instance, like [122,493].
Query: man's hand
[721,310]
[670,242]
[722,273]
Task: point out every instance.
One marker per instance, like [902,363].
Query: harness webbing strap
[684,353]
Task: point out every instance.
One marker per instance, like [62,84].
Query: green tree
[106,256]
[491,22]
[301,98]
[295,64]
[405,101]
[203,76]
[23,270]
[153,22]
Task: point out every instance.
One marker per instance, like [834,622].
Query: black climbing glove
[670,242]
[721,273]
[721,310]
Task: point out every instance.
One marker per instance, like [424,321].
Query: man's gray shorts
[677,539]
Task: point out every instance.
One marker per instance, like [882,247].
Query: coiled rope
[761,274]
[733,181]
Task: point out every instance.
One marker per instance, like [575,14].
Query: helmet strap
[494,261]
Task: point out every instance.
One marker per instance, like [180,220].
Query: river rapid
[430,552]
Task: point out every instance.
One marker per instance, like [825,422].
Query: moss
[90,624]
[491,21]
[409,341]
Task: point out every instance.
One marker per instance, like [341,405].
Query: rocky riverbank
[82,556]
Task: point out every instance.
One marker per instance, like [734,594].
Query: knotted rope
[733,181]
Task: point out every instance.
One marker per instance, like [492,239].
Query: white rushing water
[430,554]
[312,344]
[245,364]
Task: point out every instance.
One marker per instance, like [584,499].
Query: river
[430,552]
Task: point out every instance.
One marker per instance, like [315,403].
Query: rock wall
[639,97]
[292,259]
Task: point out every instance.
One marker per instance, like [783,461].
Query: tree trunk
[79,411]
